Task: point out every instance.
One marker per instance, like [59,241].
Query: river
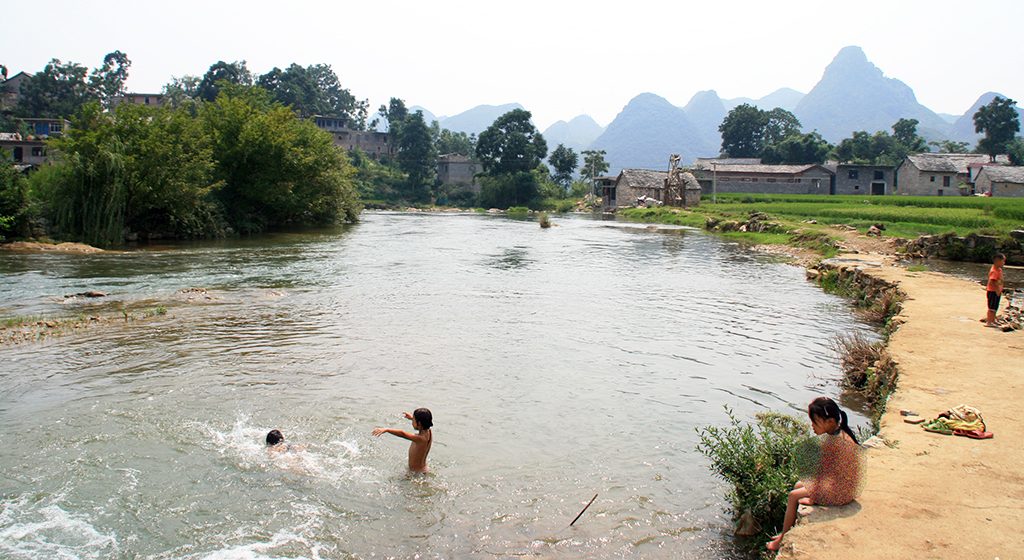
[558,364]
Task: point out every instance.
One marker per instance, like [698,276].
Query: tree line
[775,137]
[228,155]
[232,152]
[511,152]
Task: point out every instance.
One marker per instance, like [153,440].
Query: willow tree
[136,170]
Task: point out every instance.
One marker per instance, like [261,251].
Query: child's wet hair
[998,257]
[424,418]
[825,408]
[274,437]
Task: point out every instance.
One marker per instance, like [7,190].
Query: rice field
[903,216]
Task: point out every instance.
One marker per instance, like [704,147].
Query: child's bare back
[420,442]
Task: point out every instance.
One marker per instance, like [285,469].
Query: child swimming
[422,421]
[276,444]
[837,480]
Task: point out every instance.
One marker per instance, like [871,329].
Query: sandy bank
[929,495]
[33,246]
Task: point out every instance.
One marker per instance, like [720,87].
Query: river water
[558,364]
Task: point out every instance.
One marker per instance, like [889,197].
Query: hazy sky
[559,59]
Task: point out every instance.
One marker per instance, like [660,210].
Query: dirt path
[929,495]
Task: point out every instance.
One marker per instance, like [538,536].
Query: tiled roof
[946,163]
[1004,173]
[642,178]
[701,162]
[763,169]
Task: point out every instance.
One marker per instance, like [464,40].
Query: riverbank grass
[906,217]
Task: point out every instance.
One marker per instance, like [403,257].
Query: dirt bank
[33,246]
[929,495]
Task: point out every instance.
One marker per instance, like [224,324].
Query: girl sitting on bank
[836,481]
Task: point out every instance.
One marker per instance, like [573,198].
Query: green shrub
[868,369]
[14,200]
[518,212]
[462,199]
[565,205]
[760,461]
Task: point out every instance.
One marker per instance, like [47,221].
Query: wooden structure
[681,187]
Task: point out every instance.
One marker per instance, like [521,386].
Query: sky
[557,58]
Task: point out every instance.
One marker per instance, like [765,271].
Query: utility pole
[714,182]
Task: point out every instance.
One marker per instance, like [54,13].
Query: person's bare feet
[775,544]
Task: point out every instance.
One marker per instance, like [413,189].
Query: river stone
[1017,234]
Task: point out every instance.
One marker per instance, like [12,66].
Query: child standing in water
[837,480]
[422,421]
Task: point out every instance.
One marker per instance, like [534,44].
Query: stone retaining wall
[973,247]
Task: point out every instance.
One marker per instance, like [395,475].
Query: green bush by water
[760,462]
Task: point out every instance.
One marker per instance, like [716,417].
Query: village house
[148,99]
[22,151]
[10,90]
[632,185]
[863,179]
[459,171]
[45,128]
[714,175]
[1001,180]
[937,174]
[372,143]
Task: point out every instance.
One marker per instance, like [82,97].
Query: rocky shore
[38,247]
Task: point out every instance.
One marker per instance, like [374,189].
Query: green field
[903,216]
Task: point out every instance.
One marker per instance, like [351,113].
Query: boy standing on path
[422,421]
[994,289]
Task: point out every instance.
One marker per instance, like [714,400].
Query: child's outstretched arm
[400,433]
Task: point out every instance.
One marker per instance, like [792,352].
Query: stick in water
[584,509]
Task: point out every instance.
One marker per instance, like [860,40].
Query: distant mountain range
[647,130]
[853,94]
[578,134]
[963,127]
[477,119]
[786,98]
[473,121]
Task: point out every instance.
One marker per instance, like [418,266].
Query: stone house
[631,184]
[760,178]
[22,151]
[372,143]
[459,171]
[936,174]
[10,91]
[149,99]
[1001,181]
[864,179]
